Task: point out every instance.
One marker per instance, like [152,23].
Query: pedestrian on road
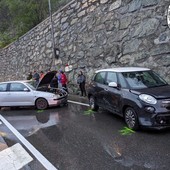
[64,81]
[36,78]
[81,80]
[29,76]
[41,75]
[54,84]
[59,79]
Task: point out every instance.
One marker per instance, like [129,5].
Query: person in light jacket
[81,80]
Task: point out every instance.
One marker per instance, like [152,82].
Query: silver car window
[3,87]
[17,87]
[30,85]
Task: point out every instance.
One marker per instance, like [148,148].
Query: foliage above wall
[19,16]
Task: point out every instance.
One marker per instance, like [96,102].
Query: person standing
[54,84]
[29,76]
[59,79]
[64,81]
[81,80]
[41,75]
[36,78]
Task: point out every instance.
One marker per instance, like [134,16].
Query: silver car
[23,93]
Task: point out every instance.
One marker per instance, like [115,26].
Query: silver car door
[20,95]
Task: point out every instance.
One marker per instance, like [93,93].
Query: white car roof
[16,81]
[124,69]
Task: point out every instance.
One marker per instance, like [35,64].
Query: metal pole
[52,32]
[168,16]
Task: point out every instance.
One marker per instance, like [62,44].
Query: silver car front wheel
[41,104]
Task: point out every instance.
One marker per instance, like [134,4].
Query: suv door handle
[106,89]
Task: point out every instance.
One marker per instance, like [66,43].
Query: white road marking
[14,158]
[29,146]
[70,101]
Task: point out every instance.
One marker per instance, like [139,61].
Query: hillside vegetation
[19,16]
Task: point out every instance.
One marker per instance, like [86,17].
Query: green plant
[126,131]
[88,112]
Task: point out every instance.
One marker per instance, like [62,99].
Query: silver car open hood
[45,81]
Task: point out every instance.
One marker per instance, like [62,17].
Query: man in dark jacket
[81,80]
[29,76]
[36,78]
[54,84]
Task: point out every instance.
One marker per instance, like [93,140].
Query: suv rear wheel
[131,118]
[92,103]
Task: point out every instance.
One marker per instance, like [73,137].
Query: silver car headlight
[148,99]
[56,96]
[53,95]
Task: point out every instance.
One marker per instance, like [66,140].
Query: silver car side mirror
[26,89]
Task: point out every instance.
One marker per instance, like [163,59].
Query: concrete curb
[3,144]
[78,98]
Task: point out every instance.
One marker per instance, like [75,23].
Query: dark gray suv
[137,94]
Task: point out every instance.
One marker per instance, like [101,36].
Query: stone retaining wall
[94,34]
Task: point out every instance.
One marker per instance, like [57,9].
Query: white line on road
[29,146]
[70,101]
[14,157]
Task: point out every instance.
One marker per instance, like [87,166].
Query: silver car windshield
[143,79]
[30,85]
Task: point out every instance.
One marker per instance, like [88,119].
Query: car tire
[92,103]
[131,118]
[41,104]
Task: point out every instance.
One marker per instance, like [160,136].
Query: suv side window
[100,77]
[111,77]
[122,80]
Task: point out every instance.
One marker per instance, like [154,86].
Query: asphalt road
[74,138]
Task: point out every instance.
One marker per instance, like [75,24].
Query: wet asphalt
[74,138]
